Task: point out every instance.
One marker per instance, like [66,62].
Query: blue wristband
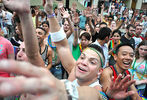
[51,15]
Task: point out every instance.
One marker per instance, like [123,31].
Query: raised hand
[49,7]
[118,89]
[88,12]
[43,88]
[75,18]
[66,14]
[60,5]
[19,6]
[74,7]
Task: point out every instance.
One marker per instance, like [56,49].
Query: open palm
[19,6]
[44,86]
[117,90]
[48,7]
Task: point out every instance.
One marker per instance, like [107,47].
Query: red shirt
[6,49]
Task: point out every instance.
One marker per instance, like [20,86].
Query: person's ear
[115,57]
[100,71]
[127,30]
[106,38]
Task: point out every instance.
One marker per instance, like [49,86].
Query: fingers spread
[128,84]
[20,84]
[129,93]
[112,83]
[126,79]
[11,86]
[43,85]
[117,81]
[23,68]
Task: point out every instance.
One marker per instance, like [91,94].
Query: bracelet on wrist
[58,36]
[75,29]
[51,15]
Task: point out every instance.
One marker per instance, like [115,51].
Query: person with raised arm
[46,86]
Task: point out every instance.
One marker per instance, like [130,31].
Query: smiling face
[87,65]
[116,37]
[124,57]
[40,34]
[66,26]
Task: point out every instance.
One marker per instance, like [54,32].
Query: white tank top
[91,85]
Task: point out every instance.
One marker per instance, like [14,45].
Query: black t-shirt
[125,40]
[94,37]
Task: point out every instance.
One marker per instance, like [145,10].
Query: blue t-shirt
[82,22]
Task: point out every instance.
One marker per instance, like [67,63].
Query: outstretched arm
[62,46]
[46,86]
[31,43]
[116,89]
[66,16]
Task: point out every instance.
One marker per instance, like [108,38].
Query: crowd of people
[57,53]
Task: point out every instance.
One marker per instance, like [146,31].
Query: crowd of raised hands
[33,79]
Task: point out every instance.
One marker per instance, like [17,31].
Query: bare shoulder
[49,50]
[88,93]
[106,77]
[107,71]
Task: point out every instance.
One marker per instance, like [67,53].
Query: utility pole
[67,4]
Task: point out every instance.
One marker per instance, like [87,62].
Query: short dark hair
[99,49]
[45,22]
[103,33]
[103,23]
[86,34]
[130,25]
[139,25]
[42,29]
[32,11]
[122,44]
